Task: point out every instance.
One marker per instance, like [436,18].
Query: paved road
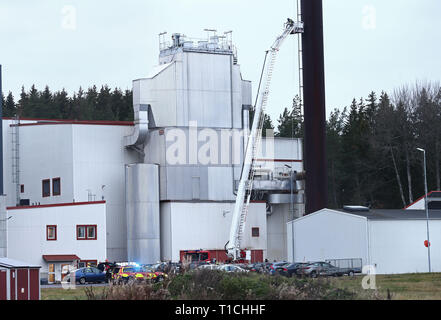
[59,286]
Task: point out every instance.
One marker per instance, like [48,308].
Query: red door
[22,284]
[34,284]
[12,283]
[3,286]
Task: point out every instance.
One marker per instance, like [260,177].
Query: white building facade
[391,241]
[53,236]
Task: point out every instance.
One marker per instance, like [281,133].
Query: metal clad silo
[142,210]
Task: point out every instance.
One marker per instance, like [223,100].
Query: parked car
[275,265]
[231,268]
[159,266]
[159,275]
[257,267]
[88,275]
[207,267]
[290,269]
[197,264]
[130,273]
[316,269]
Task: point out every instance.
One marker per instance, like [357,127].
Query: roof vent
[355,208]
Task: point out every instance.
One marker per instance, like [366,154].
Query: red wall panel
[34,284]
[3,287]
[12,283]
[22,284]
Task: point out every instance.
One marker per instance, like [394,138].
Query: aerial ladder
[233,246]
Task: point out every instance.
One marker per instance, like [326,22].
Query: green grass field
[72,294]
[401,287]
[422,286]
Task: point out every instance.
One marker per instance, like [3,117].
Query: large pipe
[314,106]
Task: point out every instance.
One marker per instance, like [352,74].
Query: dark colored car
[275,265]
[290,269]
[316,269]
[89,275]
[257,267]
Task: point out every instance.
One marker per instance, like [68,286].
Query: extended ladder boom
[246,181]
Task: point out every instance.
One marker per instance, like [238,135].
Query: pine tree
[291,121]
[126,110]
[23,103]
[267,125]
[103,109]
[9,107]
[62,102]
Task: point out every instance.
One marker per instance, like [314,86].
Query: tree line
[372,144]
[93,104]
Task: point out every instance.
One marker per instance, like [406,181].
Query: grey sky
[117,41]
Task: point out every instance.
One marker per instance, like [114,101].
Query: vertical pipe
[427,212]
[1,133]
[314,105]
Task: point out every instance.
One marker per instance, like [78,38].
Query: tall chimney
[314,106]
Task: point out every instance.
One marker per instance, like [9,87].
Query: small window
[56,186]
[51,233]
[22,188]
[91,232]
[81,232]
[86,232]
[46,188]
[255,232]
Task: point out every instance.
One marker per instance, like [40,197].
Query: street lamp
[427,207]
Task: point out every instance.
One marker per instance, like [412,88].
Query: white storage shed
[392,241]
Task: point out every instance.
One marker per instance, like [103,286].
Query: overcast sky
[369,44]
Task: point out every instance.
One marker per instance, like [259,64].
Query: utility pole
[427,208]
[314,106]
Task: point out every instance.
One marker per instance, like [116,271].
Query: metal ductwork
[139,136]
[142,213]
[284,198]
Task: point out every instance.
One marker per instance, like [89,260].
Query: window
[56,186]
[86,232]
[22,188]
[255,232]
[46,188]
[81,232]
[51,233]
[91,232]
[204,256]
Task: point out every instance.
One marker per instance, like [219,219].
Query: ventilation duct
[139,136]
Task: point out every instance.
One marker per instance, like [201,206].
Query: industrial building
[433,202]
[80,192]
[392,241]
